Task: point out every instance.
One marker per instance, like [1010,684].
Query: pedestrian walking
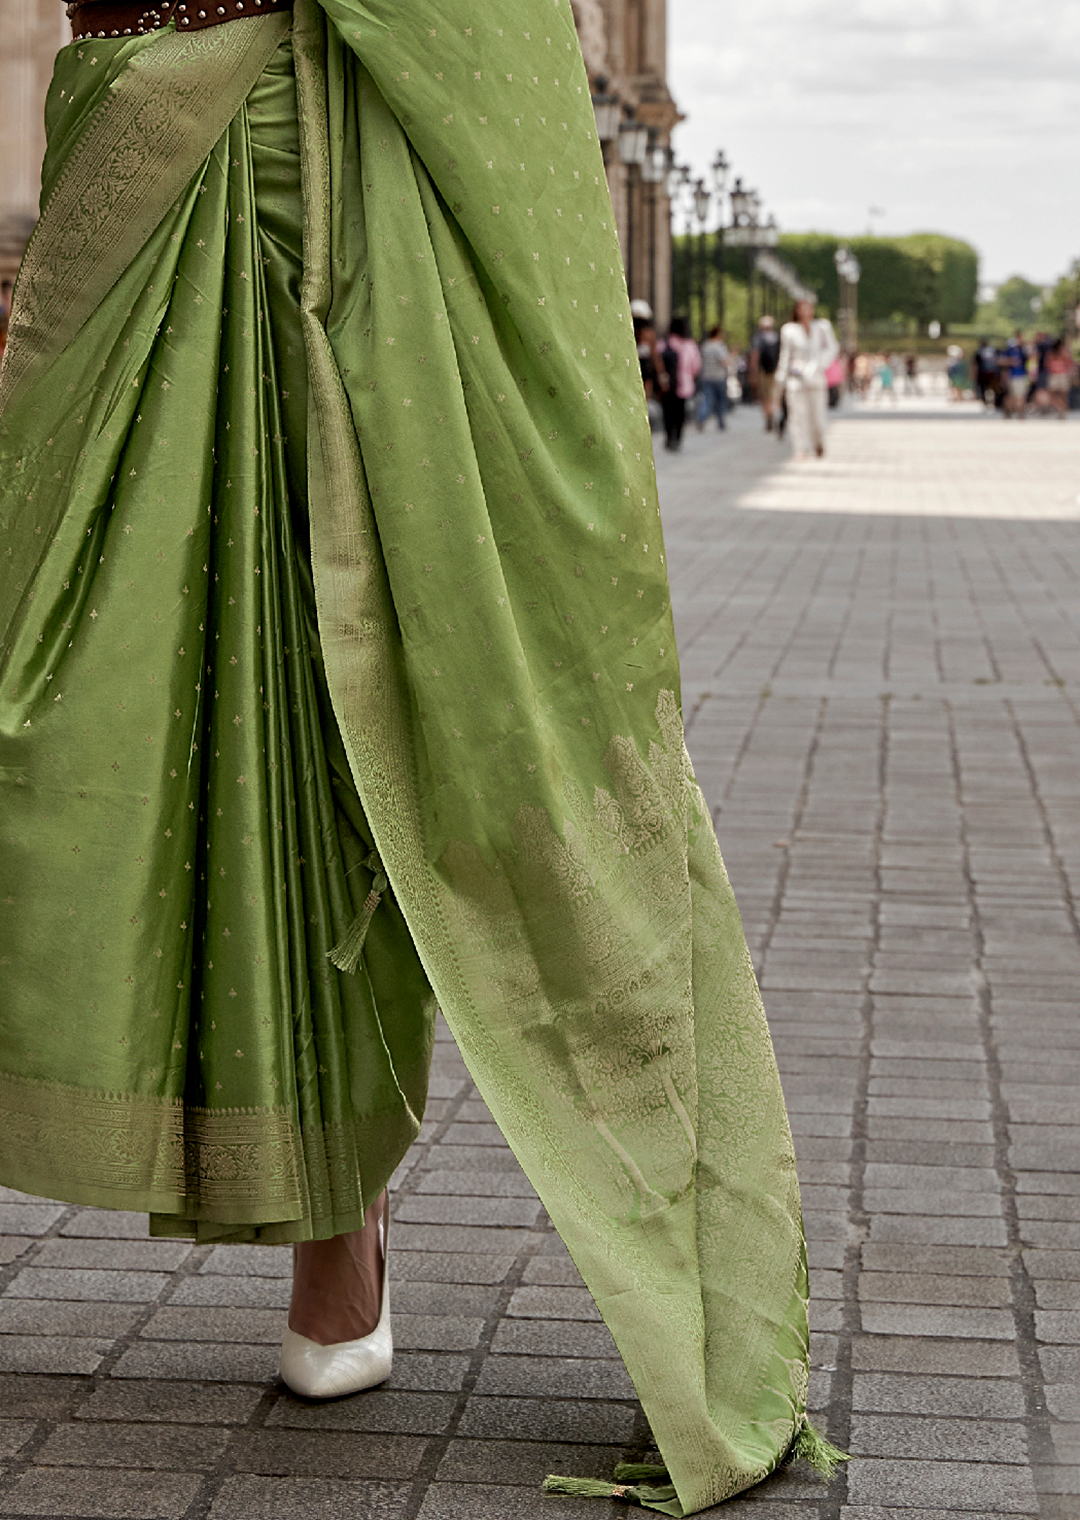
[1016,366]
[911,375]
[957,373]
[763,359]
[714,379]
[324,553]
[654,377]
[986,372]
[807,347]
[1060,376]
[682,363]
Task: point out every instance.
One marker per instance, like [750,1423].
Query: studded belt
[133,18]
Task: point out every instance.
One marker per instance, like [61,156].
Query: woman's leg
[338,1284]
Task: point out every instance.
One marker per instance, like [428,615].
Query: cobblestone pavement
[881,659]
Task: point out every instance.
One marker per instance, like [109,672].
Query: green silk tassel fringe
[346,953]
[645,1484]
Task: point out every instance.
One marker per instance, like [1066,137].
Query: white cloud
[955,115]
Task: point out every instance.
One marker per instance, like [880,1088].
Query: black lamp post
[702,202]
[720,170]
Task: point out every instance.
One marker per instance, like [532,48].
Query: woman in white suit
[807,347]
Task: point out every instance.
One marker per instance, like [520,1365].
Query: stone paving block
[114,1255]
[558,1377]
[172,1447]
[217,1290]
[523,1464]
[1060,1364]
[35,1316]
[548,1272]
[963,1486]
[28,1397]
[29,1218]
[450,1267]
[437,1373]
[472,1501]
[1058,1328]
[327,1454]
[951,1397]
[552,1303]
[563,1338]
[454,1237]
[934,1229]
[250,1261]
[935,1320]
[71,1286]
[97,1494]
[381,1409]
[107,1224]
[13,1246]
[51,1353]
[245,1497]
[166,1402]
[424,1208]
[215,1324]
[14,1434]
[479,1184]
[938,1439]
[591,1421]
[202,1362]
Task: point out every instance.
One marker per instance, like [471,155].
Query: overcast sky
[956,116]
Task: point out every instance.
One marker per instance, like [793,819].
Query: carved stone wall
[31,31]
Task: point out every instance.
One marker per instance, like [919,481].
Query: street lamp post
[633,147]
[848,270]
[720,169]
[702,202]
[653,173]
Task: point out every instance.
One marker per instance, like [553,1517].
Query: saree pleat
[339,552]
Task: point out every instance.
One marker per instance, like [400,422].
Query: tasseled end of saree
[346,953]
[640,1483]
[821,1454]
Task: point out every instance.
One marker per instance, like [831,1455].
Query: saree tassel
[347,952]
[584,1488]
[821,1454]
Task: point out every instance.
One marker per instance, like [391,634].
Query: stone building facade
[624,42]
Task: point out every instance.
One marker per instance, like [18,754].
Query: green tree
[1014,298]
[922,278]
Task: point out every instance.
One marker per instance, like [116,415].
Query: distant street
[881,665]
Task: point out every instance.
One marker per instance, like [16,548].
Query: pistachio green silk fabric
[431,544]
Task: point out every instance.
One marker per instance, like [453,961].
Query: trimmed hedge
[925,277]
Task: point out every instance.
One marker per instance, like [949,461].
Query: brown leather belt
[133,18]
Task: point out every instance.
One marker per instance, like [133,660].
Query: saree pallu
[338,554]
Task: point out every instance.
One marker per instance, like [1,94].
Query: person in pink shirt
[682,361]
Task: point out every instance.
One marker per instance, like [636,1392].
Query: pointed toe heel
[331,1372]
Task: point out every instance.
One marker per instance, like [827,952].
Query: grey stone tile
[471,1501]
[466,1300]
[14,1434]
[556,1273]
[76,1493]
[449,1266]
[523,1463]
[214,1325]
[115,1444]
[201,1362]
[217,1289]
[107,1224]
[934,1288]
[327,1454]
[478,1184]
[29,1218]
[536,1302]
[591,1421]
[114,1255]
[440,1373]
[167,1402]
[557,1377]
[250,1261]
[13,1246]
[27,1397]
[475,1239]
[51,1353]
[100,1286]
[936,1320]
[573,1338]
[940,1439]
[36,1316]
[459,1209]
[970,1486]
[952,1397]
[244,1497]
[381,1409]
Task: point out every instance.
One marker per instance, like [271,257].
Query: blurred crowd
[795,371]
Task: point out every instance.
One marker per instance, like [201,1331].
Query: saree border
[140,149]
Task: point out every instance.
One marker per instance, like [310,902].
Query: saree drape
[335,553]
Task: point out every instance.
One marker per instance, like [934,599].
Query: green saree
[331,556]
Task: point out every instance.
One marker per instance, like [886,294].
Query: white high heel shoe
[329,1372]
